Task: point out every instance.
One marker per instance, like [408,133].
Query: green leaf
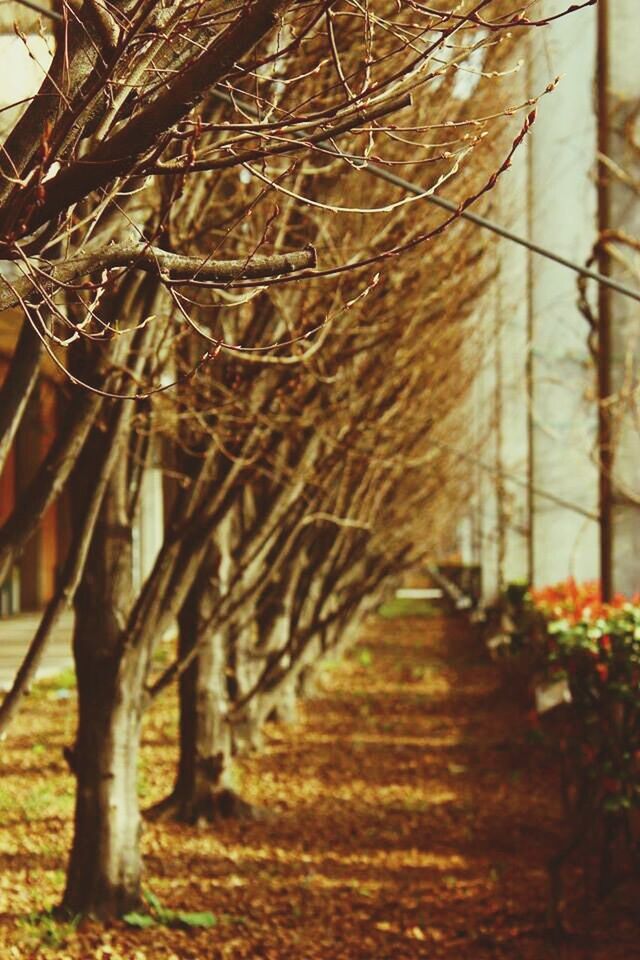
[140,920]
[365,658]
[153,901]
[198,919]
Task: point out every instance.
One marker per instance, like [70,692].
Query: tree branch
[121,153]
[165,265]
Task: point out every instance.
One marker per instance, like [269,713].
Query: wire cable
[51,14]
[375,170]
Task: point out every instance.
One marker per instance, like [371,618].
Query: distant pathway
[16,634]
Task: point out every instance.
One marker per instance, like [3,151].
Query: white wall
[550,195]
[24,64]
[563,217]
[624,97]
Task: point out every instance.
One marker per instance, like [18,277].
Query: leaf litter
[411,819]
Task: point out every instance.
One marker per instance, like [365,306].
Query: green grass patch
[365,657]
[48,686]
[401,607]
[43,929]
[42,801]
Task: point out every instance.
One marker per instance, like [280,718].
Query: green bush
[600,659]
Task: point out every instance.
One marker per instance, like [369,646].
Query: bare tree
[141,214]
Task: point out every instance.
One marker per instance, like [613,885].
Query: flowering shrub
[595,648]
[600,657]
[573,601]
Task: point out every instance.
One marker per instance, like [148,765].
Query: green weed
[42,928]
[157,915]
[365,657]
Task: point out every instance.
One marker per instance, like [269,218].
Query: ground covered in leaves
[410,818]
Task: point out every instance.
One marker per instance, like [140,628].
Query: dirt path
[409,822]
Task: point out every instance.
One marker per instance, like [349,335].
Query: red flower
[603,671]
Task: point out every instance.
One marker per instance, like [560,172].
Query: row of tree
[192,234]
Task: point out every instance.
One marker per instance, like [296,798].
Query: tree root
[221,804]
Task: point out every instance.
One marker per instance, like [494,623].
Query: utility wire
[51,14]
[375,170]
[479,221]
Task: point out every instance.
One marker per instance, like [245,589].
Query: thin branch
[291,145]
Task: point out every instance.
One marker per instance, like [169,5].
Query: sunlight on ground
[309,789]
[387,740]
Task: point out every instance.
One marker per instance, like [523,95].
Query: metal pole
[605,451]
[529,370]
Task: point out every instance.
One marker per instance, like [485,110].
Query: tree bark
[105,867]
[104,870]
[204,784]
[204,778]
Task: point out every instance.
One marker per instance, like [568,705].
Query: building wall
[544,410]
[547,372]
[623,127]
[563,216]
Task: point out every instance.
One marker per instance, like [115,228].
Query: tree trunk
[104,869]
[203,778]
[204,783]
